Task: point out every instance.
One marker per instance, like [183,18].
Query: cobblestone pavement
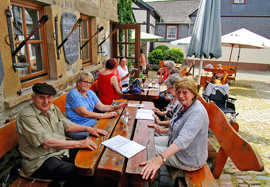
[252,91]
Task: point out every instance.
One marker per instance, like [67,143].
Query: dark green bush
[163,48]
[156,56]
[175,54]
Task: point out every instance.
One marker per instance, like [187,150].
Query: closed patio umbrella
[206,36]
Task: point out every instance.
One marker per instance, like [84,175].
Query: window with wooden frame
[32,58]
[85,32]
[171,32]
[239,1]
[126,42]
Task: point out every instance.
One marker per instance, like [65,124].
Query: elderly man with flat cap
[45,151]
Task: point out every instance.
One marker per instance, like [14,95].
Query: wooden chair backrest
[8,137]
[60,102]
[240,151]
[94,86]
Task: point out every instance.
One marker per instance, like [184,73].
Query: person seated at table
[172,106]
[108,85]
[80,105]
[123,72]
[45,152]
[116,72]
[185,146]
[166,70]
[219,75]
[210,66]
[211,89]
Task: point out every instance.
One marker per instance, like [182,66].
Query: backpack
[136,87]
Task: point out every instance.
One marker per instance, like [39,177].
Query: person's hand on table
[87,143]
[156,110]
[110,114]
[154,126]
[122,105]
[97,132]
[150,168]
[157,120]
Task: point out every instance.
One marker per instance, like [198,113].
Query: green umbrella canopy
[206,36]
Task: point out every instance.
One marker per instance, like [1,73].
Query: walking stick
[78,22]
[98,31]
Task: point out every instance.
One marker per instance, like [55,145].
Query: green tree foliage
[156,56]
[162,47]
[175,54]
[124,8]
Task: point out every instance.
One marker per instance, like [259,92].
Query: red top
[106,91]
[165,76]
[118,77]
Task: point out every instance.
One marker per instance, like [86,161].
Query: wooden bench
[231,144]
[9,141]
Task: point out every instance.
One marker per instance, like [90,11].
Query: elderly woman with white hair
[165,71]
[185,146]
[81,102]
[171,108]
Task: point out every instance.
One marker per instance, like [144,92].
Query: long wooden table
[109,168]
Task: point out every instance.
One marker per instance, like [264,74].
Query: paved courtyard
[252,91]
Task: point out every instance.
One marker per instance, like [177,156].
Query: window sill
[60,85]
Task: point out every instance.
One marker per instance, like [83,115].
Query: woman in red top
[116,72]
[108,86]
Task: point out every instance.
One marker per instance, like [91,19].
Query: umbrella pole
[238,57]
[200,73]
[231,55]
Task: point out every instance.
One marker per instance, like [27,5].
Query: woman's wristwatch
[162,158]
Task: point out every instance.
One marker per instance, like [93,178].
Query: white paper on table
[123,146]
[144,114]
[135,105]
[154,89]
[151,85]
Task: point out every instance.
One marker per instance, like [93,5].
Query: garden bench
[8,143]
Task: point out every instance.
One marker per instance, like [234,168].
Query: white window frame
[170,34]
[239,2]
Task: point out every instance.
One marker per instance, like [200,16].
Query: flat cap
[44,88]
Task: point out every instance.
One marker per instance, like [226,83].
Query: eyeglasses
[87,82]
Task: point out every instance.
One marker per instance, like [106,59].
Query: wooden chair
[60,102]
[231,144]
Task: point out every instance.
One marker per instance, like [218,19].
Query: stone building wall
[13,95]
